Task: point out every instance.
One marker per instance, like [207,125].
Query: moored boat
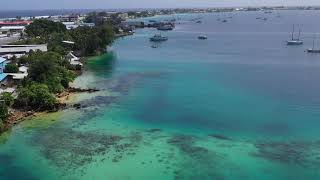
[202,37]
[158,38]
[294,41]
[313,50]
[165,28]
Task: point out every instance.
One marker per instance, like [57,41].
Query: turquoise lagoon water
[240,105]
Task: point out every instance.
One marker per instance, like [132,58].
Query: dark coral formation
[123,83]
[221,137]
[98,101]
[302,153]
[153,130]
[70,149]
[199,162]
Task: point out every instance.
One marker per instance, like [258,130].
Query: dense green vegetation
[88,40]
[42,29]
[6,100]
[11,68]
[3,115]
[51,69]
[35,96]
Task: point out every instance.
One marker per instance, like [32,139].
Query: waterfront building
[21,50]
[12,29]
[14,23]
[74,25]
[3,63]
[69,18]
[3,76]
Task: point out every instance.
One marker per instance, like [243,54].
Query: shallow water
[240,105]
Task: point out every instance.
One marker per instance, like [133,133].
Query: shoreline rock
[17,115]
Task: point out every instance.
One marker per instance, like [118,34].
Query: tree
[50,68]
[36,96]
[23,60]
[7,98]
[90,41]
[43,28]
[4,113]
[11,68]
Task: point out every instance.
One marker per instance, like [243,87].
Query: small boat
[202,37]
[312,50]
[224,21]
[165,28]
[294,41]
[154,46]
[199,22]
[158,38]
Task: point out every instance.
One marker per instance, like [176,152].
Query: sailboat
[294,41]
[312,50]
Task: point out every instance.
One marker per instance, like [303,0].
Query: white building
[74,60]
[21,50]
[12,29]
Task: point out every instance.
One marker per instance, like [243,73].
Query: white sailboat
[294,41]
[313,50]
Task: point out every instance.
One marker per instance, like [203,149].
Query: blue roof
[2,59]
[2,76]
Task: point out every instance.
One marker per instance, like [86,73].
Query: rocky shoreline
[17,116]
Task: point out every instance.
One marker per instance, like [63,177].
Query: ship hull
[294,43]
[313,50]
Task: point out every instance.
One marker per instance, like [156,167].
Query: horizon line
[154,8]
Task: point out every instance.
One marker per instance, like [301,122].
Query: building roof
[2,59]
[2,76]
[8,49]
[23,45]
[18,76]
[23,69]
[15,23]
[12,27]
[8,90]
[68,42]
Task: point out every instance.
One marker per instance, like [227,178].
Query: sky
[114,4]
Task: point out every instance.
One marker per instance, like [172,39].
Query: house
[16,77]
[69,18]
[12,29]
[3,63]
[21,50]
[3,76]
[132,24]
[23,69]
[14,23]
[70,25]
[74,25]
[74,60]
